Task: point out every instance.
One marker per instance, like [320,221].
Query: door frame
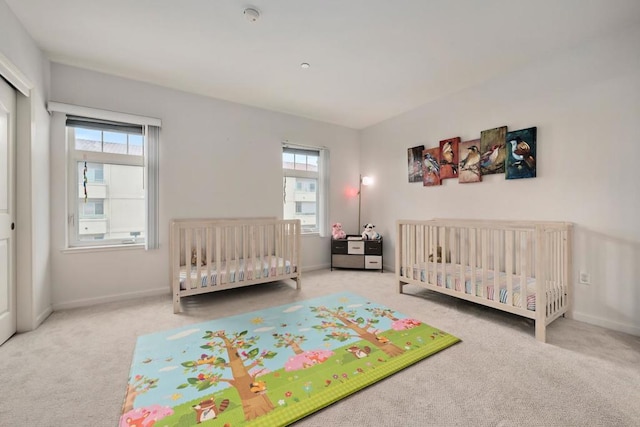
[26,317]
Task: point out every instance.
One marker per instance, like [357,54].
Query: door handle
[13,225]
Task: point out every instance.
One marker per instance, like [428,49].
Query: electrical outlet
[585,278]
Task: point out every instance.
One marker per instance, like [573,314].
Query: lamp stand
[359,202]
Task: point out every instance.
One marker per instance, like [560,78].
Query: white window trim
[149,161]
[322,175]
[74,156]
[78,110]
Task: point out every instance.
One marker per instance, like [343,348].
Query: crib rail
[521,267]
[236,252]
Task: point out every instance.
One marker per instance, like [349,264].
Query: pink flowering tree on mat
[397,324]
[242,357]
[140,385]
[343,325]
[302,359]
[145,417]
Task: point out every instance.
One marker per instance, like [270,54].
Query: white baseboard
[111,298]
[37,321]
[621,327]
[43,316]
[315,267]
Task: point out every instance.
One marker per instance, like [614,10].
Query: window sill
[106,248]
[312,234]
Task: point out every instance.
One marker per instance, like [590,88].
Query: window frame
[151,147]
[73,179]
[321,180]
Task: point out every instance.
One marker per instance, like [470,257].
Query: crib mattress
[232,272]
[453,280]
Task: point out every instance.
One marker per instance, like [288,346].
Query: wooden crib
[520,267]
[209,255]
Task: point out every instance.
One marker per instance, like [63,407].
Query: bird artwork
[447,153]
[431,164]
[469,166]
[448,158]
[493,159]
[521,151]
[415,163]
[492,149]
[431,167]
[521,161]
[471,160]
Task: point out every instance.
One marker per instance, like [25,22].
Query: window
[306,208]
[91,209]
[109,183]
[95,172]
[303,185]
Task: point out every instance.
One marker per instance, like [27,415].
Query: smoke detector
[251,14]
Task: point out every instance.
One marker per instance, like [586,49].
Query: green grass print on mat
[349,343]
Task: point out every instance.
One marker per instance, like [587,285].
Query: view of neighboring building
[301,188]
[114,207]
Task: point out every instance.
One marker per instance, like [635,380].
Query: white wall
[32,222]
[217,159]
[586,105]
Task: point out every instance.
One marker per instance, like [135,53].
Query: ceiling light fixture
[305,65]
[251,14]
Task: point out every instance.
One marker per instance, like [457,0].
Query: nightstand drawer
[373,247]
[347,261]
[339,247]
[356,247]
[373,262]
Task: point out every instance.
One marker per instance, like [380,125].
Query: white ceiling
[370,59]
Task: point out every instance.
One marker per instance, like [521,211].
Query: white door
[7,214]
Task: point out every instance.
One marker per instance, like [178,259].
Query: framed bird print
[492,148]
[431,167]
[521,153]
[415,163]
[469,166]
[449,158]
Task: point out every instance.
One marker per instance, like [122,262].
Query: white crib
[522,267]
[209,255]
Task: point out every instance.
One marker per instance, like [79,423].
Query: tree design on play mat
[140,385]
[302,359]
[342,325]
[397,324]
[242,357]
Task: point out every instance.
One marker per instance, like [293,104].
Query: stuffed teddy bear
[369,233]
[194,257]
[439,255]
[338,232]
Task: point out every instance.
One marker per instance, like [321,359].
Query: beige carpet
[72,371]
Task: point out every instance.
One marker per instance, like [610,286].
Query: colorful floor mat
[271,367]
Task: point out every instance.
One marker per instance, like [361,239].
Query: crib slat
[508,249]
[218,254]
[568,270]
[558,272]
[496,266]
[199,257]
[207,255]
[187,244]
[524,271]
[464,245]
[270,249]
[483,260]
[473,259]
